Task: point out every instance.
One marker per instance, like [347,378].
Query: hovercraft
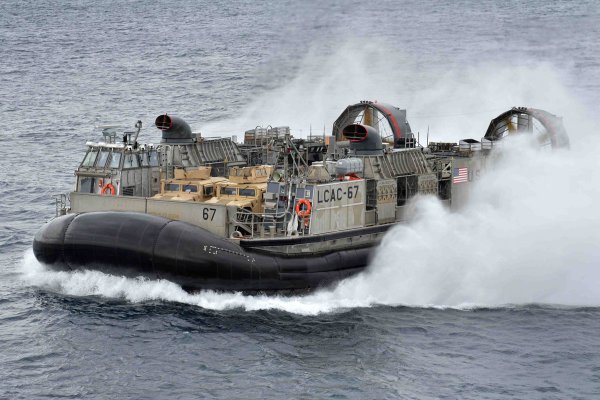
[273,213]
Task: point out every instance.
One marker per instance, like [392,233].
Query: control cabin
[127,168]
[119,169]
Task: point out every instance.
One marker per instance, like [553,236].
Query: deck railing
[61,203]
[264,225]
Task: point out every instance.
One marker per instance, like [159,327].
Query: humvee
[190,185]
[244,188]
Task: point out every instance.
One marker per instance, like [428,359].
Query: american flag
[460,175]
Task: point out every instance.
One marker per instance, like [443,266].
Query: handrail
[255,223]
[61,203]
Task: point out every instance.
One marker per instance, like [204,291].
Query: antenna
[427,135]
[138,125]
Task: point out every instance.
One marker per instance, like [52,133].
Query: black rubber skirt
[134,244]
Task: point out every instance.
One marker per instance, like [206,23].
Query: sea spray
[450,104]
[526,236]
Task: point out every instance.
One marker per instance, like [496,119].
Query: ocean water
[499,300]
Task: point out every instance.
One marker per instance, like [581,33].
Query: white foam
[94,283]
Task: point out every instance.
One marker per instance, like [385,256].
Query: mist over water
[451,103]
[528,234]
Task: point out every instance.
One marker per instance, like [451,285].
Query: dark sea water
[499,301]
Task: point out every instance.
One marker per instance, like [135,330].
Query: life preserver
[303,213]
[349,177]
[107,187]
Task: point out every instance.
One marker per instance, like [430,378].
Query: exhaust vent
[356,132]
[174,130]
[364,139]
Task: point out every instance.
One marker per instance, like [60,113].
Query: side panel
[338,206]
[212,217]
[465,171]
[87,202]
[386,200]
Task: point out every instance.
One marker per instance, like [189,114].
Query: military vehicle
[244,189]
[315,216]
[190,185]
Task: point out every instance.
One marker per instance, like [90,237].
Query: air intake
[364,139]
[174,130]
[357,132]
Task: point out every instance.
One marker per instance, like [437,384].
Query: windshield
[102,158]
[131,161]
[248,192]
[171,187]
[90,158]
[190,188]
[154,159]
[228,191]
[145,160]
[115,162]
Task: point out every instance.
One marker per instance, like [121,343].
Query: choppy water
[498,301]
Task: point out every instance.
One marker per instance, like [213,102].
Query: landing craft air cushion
[274,213]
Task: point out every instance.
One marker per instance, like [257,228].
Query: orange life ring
[349,177]
[303,213]
[108,186]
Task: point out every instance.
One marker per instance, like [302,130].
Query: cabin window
[171,187]
[190,188]
[248,192]
[102,159]
[131,161]
[115,162]
[90,158]
[228,191]
[145,159]
[153,158]
[86,185]
[208,190]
